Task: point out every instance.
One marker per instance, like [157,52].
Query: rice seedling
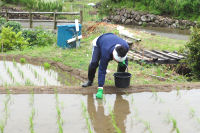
[192,112]
[86,116]
[194,115]
[7,102]
[178,91]
[59,117]
[10,74]
[21,73]
[117,129]
[155,95]
[31,118]
[172,120]
[147,126]
[28,82]
[36,74]
[45,81]
[14,63]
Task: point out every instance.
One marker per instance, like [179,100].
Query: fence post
[81,16]
[7,17]
[54,18]
[31,19]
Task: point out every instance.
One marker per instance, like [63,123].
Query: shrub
[15,25]
[39,37]
[193,51]
[10,40]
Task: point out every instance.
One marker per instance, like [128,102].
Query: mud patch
[93,89]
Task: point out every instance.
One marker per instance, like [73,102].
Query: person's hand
[121,64]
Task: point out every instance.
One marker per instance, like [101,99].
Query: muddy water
[133,112]
[13,74]
[165,32]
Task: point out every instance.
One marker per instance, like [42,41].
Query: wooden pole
[55,22]
[7,17]
[31,19]
[81,16]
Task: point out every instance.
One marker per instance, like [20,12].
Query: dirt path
[93,89]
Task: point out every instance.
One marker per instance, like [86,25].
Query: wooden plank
[67,13]
[156,55]
[18,12]
[145,55]
[57,13]
[179,56]
[183,54]
[165,54]
[140,56]
[25,20]
[131,57]
[66,21]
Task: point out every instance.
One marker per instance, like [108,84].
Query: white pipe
[74,39]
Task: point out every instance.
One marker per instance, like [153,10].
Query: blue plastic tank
[66,32]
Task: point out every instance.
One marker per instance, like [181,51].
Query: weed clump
[47,65]
[22,60]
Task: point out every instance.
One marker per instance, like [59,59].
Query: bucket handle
[126,67]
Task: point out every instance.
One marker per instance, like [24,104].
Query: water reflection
[102,122]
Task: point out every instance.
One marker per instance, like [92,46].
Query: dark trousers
[96,55]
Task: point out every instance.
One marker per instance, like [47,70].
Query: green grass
[80,57]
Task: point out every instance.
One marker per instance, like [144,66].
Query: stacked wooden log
[155,56]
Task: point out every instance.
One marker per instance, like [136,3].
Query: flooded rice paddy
[16,74]
[146,112]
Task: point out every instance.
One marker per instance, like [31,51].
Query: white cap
[115,55]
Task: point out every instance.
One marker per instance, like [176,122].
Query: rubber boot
[99,94]
[88,83]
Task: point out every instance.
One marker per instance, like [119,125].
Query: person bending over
[106,47]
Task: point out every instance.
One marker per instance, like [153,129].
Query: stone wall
[130,17]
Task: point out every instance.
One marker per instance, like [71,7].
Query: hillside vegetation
[182,9]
